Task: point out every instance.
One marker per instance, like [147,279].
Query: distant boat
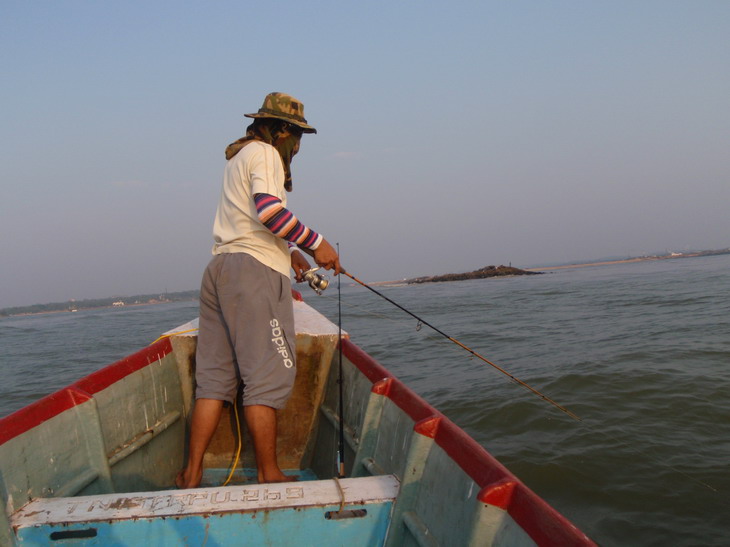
[94,463]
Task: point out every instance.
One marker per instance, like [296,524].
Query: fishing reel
[318,282]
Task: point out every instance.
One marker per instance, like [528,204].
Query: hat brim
[306,128]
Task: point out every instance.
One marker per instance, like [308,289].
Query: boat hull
[94,463]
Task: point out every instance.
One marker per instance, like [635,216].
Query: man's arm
[285,225]
[282,222]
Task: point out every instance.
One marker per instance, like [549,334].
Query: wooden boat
[94,463]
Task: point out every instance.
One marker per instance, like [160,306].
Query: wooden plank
[242,498]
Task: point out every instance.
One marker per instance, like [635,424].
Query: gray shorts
[246,332]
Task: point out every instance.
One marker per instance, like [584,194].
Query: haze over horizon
[300,286]
[451,136]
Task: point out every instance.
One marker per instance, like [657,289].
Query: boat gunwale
[26,418]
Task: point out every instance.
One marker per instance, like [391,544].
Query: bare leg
[261,421]
[206,415]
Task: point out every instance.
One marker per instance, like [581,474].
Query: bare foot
[188,479]
[276,477]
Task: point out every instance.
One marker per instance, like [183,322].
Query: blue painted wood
[301,527]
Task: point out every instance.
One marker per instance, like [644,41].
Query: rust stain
[34,513]
[124,503]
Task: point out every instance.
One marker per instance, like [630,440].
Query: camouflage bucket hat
[283,107]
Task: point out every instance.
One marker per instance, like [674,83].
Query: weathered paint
[65,444]
[269,514]
[177,503]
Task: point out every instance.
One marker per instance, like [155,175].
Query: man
[246,318]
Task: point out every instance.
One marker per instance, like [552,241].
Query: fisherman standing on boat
[246,326]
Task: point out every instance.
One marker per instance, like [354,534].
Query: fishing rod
[341,469]
[319,283]
[463,346]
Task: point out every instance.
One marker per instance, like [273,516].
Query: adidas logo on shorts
[279,343]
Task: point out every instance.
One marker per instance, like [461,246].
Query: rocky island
[486,271]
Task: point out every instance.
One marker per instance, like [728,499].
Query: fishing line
[363,310]
[340,381]
[463,346]
[429,337]
[240,442]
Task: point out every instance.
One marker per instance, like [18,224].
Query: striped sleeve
[283,223]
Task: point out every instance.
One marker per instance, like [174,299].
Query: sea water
[639,352]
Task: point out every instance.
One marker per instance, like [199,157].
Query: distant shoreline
[591,264]
[691,254]
[672,256]
[132,305]
[482,273]
[73,306]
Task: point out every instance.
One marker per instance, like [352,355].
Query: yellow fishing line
[238,450]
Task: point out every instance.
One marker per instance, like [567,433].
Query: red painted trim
[103,378]
[410,403]
[472,457]
[428,427]
[35,414]
[543,523]
[382,387]
[498,494]
[77,395]
[54,404]
[373,370]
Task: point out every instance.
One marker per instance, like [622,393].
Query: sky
[451,135]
